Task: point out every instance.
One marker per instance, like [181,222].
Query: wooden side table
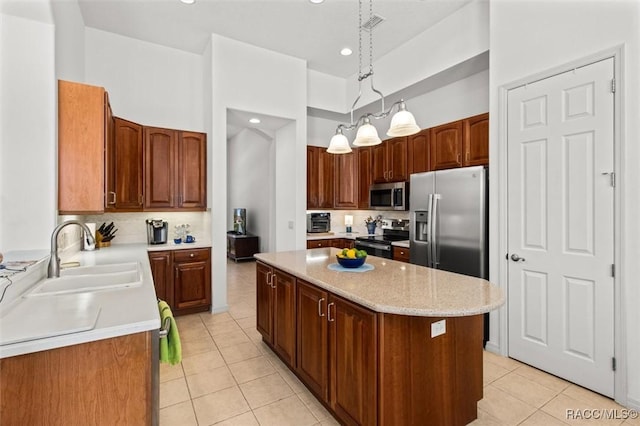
[242,247]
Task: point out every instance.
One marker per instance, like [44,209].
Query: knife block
[99,242]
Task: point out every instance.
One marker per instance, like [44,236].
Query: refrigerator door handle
[429,233]
[434,231]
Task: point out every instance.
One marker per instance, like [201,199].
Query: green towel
[170,347]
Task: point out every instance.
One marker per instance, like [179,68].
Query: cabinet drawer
[190,255]
[401,254]
[319,243]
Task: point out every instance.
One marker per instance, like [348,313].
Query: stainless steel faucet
[54,260]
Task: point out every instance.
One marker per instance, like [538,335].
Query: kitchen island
[397,345]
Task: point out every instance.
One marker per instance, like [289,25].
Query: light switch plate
[290,224]
[438,328]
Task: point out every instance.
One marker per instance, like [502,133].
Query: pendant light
[403,123]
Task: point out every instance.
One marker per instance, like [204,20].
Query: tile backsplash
[133,229]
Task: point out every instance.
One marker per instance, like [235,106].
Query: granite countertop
[331,235]
[392,287]
[403,243]
[182,246]
[122,311]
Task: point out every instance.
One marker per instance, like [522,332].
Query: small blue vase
[371,228]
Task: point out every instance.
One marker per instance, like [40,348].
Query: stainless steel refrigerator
[449,221]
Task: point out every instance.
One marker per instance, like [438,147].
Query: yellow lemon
[351,254]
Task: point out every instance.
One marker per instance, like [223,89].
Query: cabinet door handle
[329,312]
[113,200]
[269,273]
[458,158]
[192,255]
[271,281]
[320,314]
[390,174]
[467,155]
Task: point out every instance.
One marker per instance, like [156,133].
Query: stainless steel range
[380,245]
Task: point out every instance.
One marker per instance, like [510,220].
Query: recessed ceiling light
[254,120]
[188,1]
[346,51]
[316,1]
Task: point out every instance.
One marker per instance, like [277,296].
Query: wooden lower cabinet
[106,382]
[401,254]
[183,279]
[276,310]
[331,242]
[370,368]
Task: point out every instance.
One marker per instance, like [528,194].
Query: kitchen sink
[90,278]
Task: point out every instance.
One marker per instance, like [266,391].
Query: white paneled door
[561,228]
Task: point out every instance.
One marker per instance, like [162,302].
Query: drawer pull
[192,255]
[329,312]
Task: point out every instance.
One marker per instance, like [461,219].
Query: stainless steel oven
[375,247]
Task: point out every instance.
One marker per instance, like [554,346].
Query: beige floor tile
[173,392]
[504,362]
[211,319]
[223,328]
[289,411]
[251,369]
[244,309]
[202,362]
[265,390]
[248,322]
[188,333]
[633,418]
[504,407]
[241,352]
[593,399]
[198,346]
[547,380]
[170,372]
[181,414]
[485,419]
[218,406]
[253,334]
[563,405]
[233,338]
[210,381]
[329,422]
[492,372]
[525,389]
[312,403]
[540,418]
[292,380]
[246,419]
[188,320]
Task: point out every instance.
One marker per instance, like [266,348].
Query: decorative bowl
[351,263]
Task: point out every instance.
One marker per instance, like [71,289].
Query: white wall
[147,83]
[28,131]
[286,204]
[326,91]
[249,78]
[250,177]
[69,40]
[464,98]
[529,37]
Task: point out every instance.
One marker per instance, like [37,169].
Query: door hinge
[613,85]
[613,364]
[613,179]
[613,270]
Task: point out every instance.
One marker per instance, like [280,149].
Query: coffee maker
[157,230]
[240,221]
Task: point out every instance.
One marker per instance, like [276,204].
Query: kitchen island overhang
[401,344]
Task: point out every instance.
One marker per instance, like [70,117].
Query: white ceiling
[238,120]
[313,32]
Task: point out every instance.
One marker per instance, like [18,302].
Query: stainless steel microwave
[389,196]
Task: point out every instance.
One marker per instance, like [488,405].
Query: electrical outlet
[290,224]
[438,328]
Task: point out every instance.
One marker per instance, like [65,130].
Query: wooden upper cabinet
[418,152]
[364,161]
[390,161]
[192,170]
[159,168]
[313,189]
[320,178]
[125,173]
[83,123]
[476,140]
[446,146]
[346,181]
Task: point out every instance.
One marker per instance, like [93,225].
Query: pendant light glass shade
[403,123]
[367,135]
[339,144]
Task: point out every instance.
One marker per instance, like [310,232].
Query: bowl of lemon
[351,258]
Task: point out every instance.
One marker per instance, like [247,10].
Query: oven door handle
[386,247]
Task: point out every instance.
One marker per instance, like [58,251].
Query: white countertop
[392,287]
[331,235]
[173,246]
[122,311]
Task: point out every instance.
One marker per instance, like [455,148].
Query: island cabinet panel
[105,382]
[353,362]
[312,343]
[436,378]
[264,301]
[276,310]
